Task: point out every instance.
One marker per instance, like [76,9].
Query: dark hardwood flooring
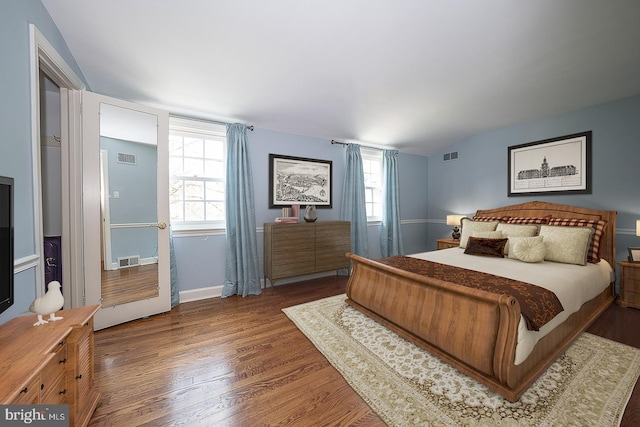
[241,362]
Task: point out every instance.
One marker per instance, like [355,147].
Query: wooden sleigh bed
[473,330]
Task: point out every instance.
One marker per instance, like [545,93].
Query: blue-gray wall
[15,126]
[200,260]
[478,179]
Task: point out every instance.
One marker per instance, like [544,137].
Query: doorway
[56,166]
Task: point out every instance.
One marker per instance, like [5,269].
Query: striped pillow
[529,220]
[593,254]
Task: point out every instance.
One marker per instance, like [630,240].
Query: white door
[126,205]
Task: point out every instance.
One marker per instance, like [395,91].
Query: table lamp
[455,221]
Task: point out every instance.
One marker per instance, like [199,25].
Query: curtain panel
[353,207]
[391,234]
[242,274]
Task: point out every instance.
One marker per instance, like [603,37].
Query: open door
[126,209]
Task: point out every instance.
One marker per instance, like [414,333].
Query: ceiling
[417,75]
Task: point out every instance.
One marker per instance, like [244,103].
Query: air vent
[127,159]
[131,261]
[450,156]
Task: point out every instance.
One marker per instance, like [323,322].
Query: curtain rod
[344,144]
[197,119]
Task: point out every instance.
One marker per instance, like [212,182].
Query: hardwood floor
[242,362]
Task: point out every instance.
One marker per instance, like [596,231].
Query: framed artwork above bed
[559,165]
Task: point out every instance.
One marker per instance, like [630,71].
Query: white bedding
[573,284]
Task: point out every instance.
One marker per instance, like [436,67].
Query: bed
[474,330]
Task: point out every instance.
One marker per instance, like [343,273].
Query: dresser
[297,249]
[50,363]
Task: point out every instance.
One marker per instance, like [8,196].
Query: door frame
[43,57]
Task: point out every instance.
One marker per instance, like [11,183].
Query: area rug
[589,385]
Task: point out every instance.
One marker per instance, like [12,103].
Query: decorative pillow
[485,247]
[469,226]
[528,220]
[504,218]
[488,234]
[568,245]
[527,249]
[517,230]
[598,225]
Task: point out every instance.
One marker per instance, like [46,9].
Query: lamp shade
[638,227]
[454,219]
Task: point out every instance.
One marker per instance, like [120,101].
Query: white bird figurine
[48,303]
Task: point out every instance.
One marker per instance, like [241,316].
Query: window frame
[187,127]
[373,154]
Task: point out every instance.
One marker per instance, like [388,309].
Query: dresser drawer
[53,376]
[30,395]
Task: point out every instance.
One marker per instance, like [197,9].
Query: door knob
[161,225]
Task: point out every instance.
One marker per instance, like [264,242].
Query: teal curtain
[175,291]
[353,206]
[391,235]
[242,274]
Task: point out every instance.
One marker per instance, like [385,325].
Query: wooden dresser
[306,248]
[50,363]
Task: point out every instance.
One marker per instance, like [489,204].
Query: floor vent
[127,159]
[132,261]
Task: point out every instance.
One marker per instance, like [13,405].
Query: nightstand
[447,243]
[629,284]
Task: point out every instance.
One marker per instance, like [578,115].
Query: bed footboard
[473,330]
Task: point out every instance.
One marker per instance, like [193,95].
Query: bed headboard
[541,209]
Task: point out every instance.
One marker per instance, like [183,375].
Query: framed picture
[299,181]
[634,254]
[554,166]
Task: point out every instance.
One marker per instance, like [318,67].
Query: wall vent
[131,261]
[450,156]
[127,159]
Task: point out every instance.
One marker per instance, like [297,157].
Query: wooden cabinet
[297,249]
[447,243]
[629,284]
[50,363]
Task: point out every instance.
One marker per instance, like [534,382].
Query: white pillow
[516,230]
[568,245]
[469,226]
[527,249]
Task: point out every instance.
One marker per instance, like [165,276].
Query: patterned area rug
[589,385]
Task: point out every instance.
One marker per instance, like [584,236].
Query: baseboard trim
[200,294]
[216,291]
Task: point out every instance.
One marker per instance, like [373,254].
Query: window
[372,167]
[197,152]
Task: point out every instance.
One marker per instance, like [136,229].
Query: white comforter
[573,284]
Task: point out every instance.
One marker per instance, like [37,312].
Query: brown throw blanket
[538,305]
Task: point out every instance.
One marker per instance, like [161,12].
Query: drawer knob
[63,391]
[79,377]
[41,386]
[63,360]
[24,390]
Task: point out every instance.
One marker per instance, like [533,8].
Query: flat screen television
[6,243]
